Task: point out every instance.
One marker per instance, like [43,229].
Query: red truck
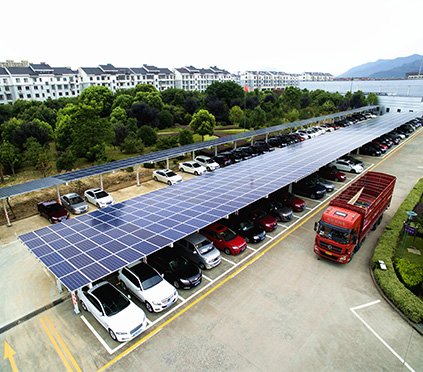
[351,215]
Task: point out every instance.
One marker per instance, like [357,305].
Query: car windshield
[246,225]
[111,299]
[75,200]
[277,204]
[101,194]
[204,247]
[334,233]
[54,207]
[227,235]
[208,161]
[178,263]
[151,281]
[170,174]
[196,165]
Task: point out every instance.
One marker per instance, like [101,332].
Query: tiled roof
[64,71]
[3,71]
[21,71]
[92,71]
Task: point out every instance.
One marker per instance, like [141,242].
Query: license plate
[328,253]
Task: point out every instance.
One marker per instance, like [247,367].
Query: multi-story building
[37,82]
[192,78]
[316,76]
[414,75]
[265,80]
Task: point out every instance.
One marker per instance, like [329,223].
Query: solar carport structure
[87,248]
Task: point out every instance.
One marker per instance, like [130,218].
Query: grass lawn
[410,242]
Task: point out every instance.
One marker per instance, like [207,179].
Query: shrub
[410,273]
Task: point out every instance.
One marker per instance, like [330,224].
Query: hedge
[409,304]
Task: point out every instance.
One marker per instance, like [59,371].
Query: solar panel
[60,179]
[87,248]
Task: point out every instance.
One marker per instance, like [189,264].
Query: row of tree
[62,131]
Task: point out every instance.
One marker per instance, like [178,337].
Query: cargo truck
[351,215]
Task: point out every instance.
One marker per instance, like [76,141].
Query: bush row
[409,304]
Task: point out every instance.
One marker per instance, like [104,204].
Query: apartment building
[192,78]
[316,76]
[265,80]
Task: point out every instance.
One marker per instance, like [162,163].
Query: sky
[296,36]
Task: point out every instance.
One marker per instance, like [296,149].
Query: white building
[37,82]
[267,80]
[316,76]
[192,78]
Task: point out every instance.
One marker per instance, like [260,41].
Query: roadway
[280,308]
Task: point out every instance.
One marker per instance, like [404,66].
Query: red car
[224,238]
[297,204]
[332,174]
[381,145]
[53,211]
[265,220]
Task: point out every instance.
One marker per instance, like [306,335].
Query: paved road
[286,311]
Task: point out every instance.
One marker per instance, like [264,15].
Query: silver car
[199,250]
[74,203]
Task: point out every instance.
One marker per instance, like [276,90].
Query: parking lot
[249,315]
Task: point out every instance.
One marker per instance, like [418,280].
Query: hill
[386,68]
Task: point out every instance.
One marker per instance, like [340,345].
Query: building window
[27,88]
[21,95]
[25,80]
[28,96]
[387,109]
[19,88]
[37,95]
[18,80]
[398,110]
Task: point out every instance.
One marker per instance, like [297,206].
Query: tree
[236,115]
[203,123]
[165,119]
[185,137]
[258,118]
[358,99]
[148,135]
[132,145]
[167,142]
[291,98]
[9,156]
[121,132]
[218,108]
[152,99]
[225,91]
[65,161]
[372,99]
[40,112]
[98,98]
[123,101]
[118,115]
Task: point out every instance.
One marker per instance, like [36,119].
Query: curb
[31,315]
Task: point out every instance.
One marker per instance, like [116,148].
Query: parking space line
[95,333]
[354,311]
[207,278]
[297,217]
[229,261]
[148,321]
[253,249]
[308,208]
[59,345]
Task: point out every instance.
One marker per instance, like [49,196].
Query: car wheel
[50,220]
[97,205]
[149,307]
[169,183]
[182,169]
[313,196]
[196,173]
[353,171]
[208,168]
[227,251]
[202,266]
[112,335]
[155,178]
[124,287]
[176,284]
[83,305]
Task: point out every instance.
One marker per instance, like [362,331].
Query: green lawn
[406,242]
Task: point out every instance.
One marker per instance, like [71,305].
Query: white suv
[149,286]
[346,166]
[192,167]
[166,176]
[207,162]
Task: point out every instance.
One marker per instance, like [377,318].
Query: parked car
[224,238]
[148,286]
[263,145]
[332,174]
[244,155]
[222,160]
[329,186]
[309,189]
[380,145]
[394,139]
[346,166]
[113,310]
[207,162]
[74,203]
[98,197]
[297,204]
[276,142]
[166,176]
[281,212]
[370,149]
[192,167]
[263,219]
[175,268]
[352,160]
[53,211]
[198,249]
[234,158]
[246,228]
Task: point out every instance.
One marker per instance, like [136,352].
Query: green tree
[358,99]
[152,99]
[185,137]
[65,160]
[9,156]
[291,98]
[227,91]
[203,123]
[98,98]
[123,101]
[167,142]
[165,119]
[236,115]
[328,107]
[148,135]
[147,88]
[258,118]
[372,99]
[118,115]
[132,145]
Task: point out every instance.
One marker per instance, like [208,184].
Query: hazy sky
[295,36]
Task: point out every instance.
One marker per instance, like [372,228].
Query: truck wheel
[379,220]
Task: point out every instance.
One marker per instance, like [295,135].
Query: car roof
[217,227]
[95,189]
[71,195]
[195,238]
[142,270]
[49,202]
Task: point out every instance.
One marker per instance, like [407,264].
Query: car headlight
[256,237]
[184,281]
[155,303]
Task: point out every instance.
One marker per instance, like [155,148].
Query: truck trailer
[351,215]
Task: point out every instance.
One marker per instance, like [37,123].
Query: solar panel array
[89,247]
[159,156]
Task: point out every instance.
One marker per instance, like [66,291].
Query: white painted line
[95,333]
[181,298]
[284,226]
[353,310]
[207,278]
[225,259]
[253,249]
[308,208]
[299,216]
[148,321]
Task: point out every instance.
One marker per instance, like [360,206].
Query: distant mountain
[386,68]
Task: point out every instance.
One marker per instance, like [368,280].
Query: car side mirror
[129,296]
[162,275]
[316,226]
[194,252]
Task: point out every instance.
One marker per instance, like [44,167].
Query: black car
[257,150]
[309,189]
[175,268]
[370,149]
[275,208]
[222,160]
[391,137]
[276,142]
[53,211]
[244,227]
[284,138]
[235,158]
[241,152]
[263,145]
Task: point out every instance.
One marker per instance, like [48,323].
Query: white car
[346,166]
[303,134]
[98,197]
[166,176]
[192,167]
[207,162]
[113,310]
[149,286]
